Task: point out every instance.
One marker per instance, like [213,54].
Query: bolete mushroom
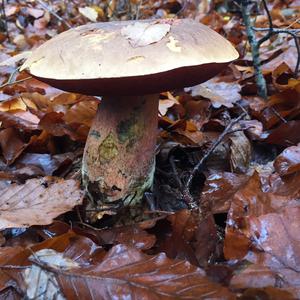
[127,63]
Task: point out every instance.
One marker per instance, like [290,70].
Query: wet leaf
[240,152]
[12,145]
[286,134]
[11,120]
[288,161]
[262,221]
[219,189]
[138,275]
[47,163]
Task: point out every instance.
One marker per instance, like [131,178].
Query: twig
[272,31]
[260,80]
[4,18]
[255,44]
[286,31]
[138,9]
[14,82]
[174,169]
[186,192]
[164,212]
[52,12]
[293,23]
[277,30]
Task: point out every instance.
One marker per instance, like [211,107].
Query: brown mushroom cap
[131,57]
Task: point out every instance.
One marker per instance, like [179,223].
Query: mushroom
[127,63]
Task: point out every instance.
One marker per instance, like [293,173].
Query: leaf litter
[242,240]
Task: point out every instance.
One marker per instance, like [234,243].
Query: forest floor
[240,152]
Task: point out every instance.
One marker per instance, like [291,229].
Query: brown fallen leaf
[18,256]
[288,161]
[125,271]
[38,201]
[219,189]
[260,197]
[219,93]
[39,281]
[240,152]
[285,135]
[53,123]
[48,164]
[288,57]
[262,228]
[11,144]
[122,271]
[11,120]
[82,112]
[268,293]
[253,128]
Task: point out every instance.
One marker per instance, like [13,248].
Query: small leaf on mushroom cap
[143,34]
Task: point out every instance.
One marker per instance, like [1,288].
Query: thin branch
[260,80]
[138,9]
[272,31]
[255,44]
[291,32]
[268,14]
[14,82]
[186,192]
[293,23]
[174,169]
[52,12]
[278,30]
[4,18]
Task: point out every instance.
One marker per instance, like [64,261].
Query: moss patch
[108,149]
[130,130]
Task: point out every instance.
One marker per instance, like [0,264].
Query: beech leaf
[38,201]
[125,272]
[142,34]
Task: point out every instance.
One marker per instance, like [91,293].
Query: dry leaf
[11,144]
[219,93]
[38,201]
[240,152]
[40,282]
[89,12]
[15,59]
[142,34]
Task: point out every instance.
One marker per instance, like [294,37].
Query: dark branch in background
[3,18]
[53,13]
[255,44]
[292,33]
[187,197]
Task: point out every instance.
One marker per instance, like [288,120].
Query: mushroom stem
[119,156]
